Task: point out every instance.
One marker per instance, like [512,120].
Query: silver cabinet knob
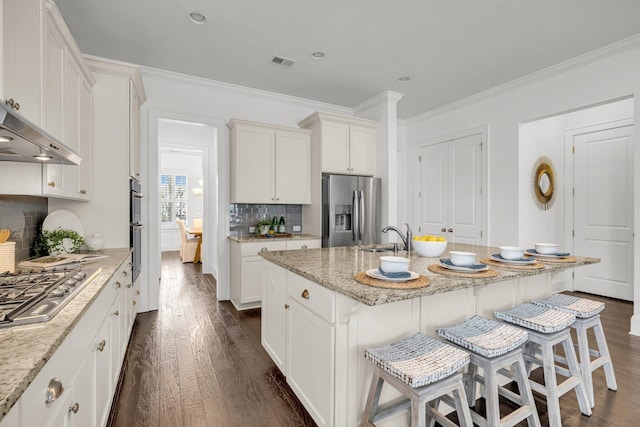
[264,249]
[83,191]
[74,408]
[444,230]
[101,345]
[51,184]
[125,273]
[117,285]
[304,247]
[116,313]
[133,303]
[450,230]
[54,390]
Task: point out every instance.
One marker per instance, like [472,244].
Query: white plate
[463,269]
[533,252]
[496,257]
[63,219]
[376,275]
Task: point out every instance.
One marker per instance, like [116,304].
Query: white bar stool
[495,346]
[587,314]
[423,369]
[548,327]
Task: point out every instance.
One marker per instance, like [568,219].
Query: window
[173,194]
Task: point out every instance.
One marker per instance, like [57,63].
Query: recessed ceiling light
[318,55]
[403,79]
[43,157]
[197,18]
[5,139]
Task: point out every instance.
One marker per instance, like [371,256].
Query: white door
[451,189]
[603,209]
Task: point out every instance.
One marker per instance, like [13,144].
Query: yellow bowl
[429,249]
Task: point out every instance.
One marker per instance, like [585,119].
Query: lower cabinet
[247,268]
[86,366]
[298,332]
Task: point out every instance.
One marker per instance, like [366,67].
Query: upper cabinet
[269,164]
[45,78]
[346,145]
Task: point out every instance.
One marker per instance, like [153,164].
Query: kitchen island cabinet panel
[274,314]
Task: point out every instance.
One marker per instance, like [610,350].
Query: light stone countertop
[26,348]
[335,268]
[251,238]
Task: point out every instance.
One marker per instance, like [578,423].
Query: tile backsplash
[242,216]
[23,216]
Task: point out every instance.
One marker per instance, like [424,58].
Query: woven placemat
[420,282]
[489,261]
[436,268]
[568,259]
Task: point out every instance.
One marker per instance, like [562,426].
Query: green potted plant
[57,241]
[262,228]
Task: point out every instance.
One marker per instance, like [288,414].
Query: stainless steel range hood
[22,141]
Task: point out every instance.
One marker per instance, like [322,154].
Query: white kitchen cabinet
[344,145]
[135,102]
[311,346]
[247,267]
[274,314]
[87,364]
[269,164]
[44,72]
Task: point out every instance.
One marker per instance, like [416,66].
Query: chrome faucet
[405,239]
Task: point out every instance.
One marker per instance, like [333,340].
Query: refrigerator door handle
[362,219]
[354,214]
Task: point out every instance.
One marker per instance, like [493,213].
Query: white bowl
[546,248]
[429,249]
[394,264]
[511,252]
[462,259]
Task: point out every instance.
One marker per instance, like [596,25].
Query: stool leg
[551,385]
[470,384]
[418,412]
[585,362]
[371,407]
[491,397]
[574,370]
[520,373]
[603,349]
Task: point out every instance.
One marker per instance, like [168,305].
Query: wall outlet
[296,228]
[252,229]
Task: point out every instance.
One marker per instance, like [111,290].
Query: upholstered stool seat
[587,314]
[547,328]
[423,369]
[495,346]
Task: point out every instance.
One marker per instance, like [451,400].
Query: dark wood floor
[199,362]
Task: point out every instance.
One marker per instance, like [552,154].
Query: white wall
[589,81]
[179,97]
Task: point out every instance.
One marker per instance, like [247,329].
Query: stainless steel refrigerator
[350,210]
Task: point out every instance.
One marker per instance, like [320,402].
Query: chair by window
[189,245]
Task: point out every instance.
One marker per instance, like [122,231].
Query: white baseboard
[635,325]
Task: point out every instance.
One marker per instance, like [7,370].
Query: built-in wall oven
[135,226]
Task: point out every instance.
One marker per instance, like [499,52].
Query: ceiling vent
[284,62]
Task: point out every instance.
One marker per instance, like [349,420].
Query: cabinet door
[83,395]
[103,387]
[293,167]
[70,128]
[310,356]
[362,150]
[335,147]
[303,244]
[252,278]
[62,418]
[85,142]
[254,163]
[117,338]
[134,136]
[274,314]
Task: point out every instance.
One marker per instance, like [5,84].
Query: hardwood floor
[199,362]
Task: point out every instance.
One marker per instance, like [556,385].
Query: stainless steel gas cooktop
[37,295]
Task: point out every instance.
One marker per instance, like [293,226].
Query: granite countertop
[251,238]
[26,348]
[335,268]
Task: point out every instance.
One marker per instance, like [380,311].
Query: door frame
[483,131]
[569,135]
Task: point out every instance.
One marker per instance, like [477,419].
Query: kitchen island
[317,319]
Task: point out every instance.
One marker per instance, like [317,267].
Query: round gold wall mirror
[543,183]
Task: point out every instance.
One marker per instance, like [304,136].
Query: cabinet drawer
[314,297]
[251,249]
[303,244]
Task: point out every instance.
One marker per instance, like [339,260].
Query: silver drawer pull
[125,273]
[304,246]
[101,345]
[74,408]
[263,250]
[54,390]
[117,285]
[305,294]
[116,313]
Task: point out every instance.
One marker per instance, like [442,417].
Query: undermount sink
[386,249]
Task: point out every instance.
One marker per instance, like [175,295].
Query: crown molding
[120,69]
[385,97]
[608,51]
[164,75]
